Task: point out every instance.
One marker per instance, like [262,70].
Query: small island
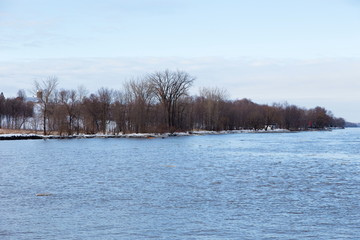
[156,105]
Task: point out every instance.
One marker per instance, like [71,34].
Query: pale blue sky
[304,51]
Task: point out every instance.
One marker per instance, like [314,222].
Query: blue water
[240,186]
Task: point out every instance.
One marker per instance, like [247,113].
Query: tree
[68,101]
[293,117]
[139,97]
[213,100]
[79,109]
[169,87]
[17,111]
[339,122]
[25,110]
[119,112]
[242,111]
[2,107]
[270,114]
[320,118]
[105,100]
[91,106]
[45,92]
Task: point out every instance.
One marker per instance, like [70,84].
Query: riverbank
[28,135]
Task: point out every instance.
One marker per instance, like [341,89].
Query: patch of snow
[138,135]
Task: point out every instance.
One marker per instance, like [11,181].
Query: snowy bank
[134,135]
[19,136]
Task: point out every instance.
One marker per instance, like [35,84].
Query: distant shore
[27,135]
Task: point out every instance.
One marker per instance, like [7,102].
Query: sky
[303,52]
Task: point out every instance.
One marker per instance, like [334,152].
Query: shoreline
[32,136]
[22,135]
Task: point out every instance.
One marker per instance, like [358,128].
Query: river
[303,185]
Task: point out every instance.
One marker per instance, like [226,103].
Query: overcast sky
[305,52]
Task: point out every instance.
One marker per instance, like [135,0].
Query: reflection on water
[243,186]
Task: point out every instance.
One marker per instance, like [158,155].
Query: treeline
[159,102]
[15,112]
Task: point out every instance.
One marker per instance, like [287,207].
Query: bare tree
[105,100]
[140,96]
[68,101]
[91,106]
[213,100]
[79,112]
[17,111]
[320,117]
[119,111]
[44,92]
[2,108]
[169,87]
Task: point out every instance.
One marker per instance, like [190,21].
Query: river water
[302,185]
